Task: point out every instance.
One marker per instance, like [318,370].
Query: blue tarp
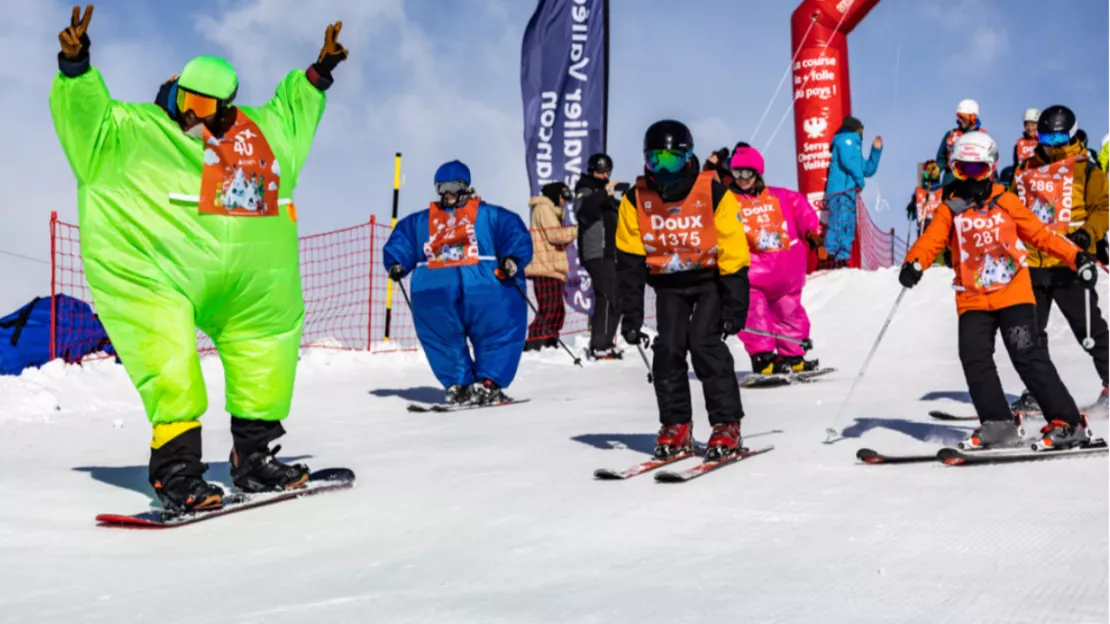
[25,334]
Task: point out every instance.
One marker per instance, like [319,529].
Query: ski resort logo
[815,127]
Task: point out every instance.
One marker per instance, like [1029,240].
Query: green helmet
[211,76]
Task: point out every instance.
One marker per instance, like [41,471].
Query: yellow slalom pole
[392,224]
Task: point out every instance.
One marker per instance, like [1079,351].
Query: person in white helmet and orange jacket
[1023,149]
[967,120]
[984,226]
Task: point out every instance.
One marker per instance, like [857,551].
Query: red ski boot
[724,441]
[674,439]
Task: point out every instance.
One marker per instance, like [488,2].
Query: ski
[869,456]
[956,457]
[707,466]
[755,380]
[422,408]
[606,474]
[321,481]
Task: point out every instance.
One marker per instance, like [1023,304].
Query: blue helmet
[453,171]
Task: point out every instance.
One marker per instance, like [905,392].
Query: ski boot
[611,353]
[794,364]
[763,363]
[1060,435]
[180,489]
[1026,405]
[485,392]
[260,471]
[993,434]
[457,394]
[674,439]
[724,441]
[1101,406]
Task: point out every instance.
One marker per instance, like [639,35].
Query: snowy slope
[493,517]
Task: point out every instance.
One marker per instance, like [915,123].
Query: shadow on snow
[420,394]
[925,432]
[957,395]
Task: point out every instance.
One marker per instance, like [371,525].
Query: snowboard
[755,380]
[423,408]
[326,480]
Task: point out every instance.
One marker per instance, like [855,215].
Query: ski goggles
[743,174]
[976,171]
[202,106]
[457,187]
[666,160]
[1054,139]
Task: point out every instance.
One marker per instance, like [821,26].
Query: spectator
[549,266]
[847,171]
[596,209]
[967,120]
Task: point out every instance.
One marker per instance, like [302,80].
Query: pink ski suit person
[778,224]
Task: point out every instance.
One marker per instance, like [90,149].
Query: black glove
[396,272]
[506,268]
[1086,271]
[1081,238]
[634,336]
[729,328]
[910,275]
[73,60]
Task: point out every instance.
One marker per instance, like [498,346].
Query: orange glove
[75,38]
[333,53]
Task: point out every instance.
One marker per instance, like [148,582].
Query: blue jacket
[452,305]
[847,168]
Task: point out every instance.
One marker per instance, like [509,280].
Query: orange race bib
[678,236]
[990,252]
[241,176]
[765,225]
[1047,192]
[927,203]
[1025,149]
[452,241]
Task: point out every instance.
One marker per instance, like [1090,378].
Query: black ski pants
[1028,354]
[1059,286]
[689,321]
[603,277]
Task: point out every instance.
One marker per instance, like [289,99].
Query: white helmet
[1032,115]
[968,107]
[975,147]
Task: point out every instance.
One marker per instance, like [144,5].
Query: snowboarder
[984,226]
[776,221]
[467,259]
[165,253]
[967,120]
[1027,143]
[1069,195]
[678,231]
[596,210]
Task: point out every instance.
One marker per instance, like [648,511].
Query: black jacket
[596,211]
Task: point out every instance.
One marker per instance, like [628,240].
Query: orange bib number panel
[1025,149]
[927,203]
[241,176]
[678,236]
[990,251]
[1047,192]
[764,224]
[451,238]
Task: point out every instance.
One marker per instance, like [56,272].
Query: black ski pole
[643,355]
[577,361]
[806,344]
[406,294]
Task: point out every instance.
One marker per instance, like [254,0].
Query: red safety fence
[872,248]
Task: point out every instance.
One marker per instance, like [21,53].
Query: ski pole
[805,343]
[406,294]
[577,361]
[1088,342]
[643,355]
[831,431]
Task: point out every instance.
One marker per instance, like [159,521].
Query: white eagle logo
[815,127]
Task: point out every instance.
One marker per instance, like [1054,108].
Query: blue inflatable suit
[456,294]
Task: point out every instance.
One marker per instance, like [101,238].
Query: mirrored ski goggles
[202,105]
[743,174]
[456,187]
[976,171]
[665,160]
[1054,139]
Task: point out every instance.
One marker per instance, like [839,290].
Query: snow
[492,515]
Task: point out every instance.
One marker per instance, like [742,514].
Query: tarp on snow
[25,334]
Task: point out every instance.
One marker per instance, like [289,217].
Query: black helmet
[669,134]
[1055,122]
[599,162]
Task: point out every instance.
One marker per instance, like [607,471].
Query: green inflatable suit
[187,221]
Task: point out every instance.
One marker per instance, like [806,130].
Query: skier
[467,284]
[847,170]
[549,267]
[775,220]
[984,226]
[926,197]
[1023,149]
[967,120]
[677,230]
[168,248]
[596,210]
[1068,194]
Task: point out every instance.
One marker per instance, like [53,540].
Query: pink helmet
[747,158]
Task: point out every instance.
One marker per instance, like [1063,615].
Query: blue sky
[439,80]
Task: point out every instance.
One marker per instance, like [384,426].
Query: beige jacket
[550,239]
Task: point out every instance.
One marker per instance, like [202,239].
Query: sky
[440,80]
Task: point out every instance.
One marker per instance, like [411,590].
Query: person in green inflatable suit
[187,221]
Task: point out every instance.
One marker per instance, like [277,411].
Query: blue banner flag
[564,84]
